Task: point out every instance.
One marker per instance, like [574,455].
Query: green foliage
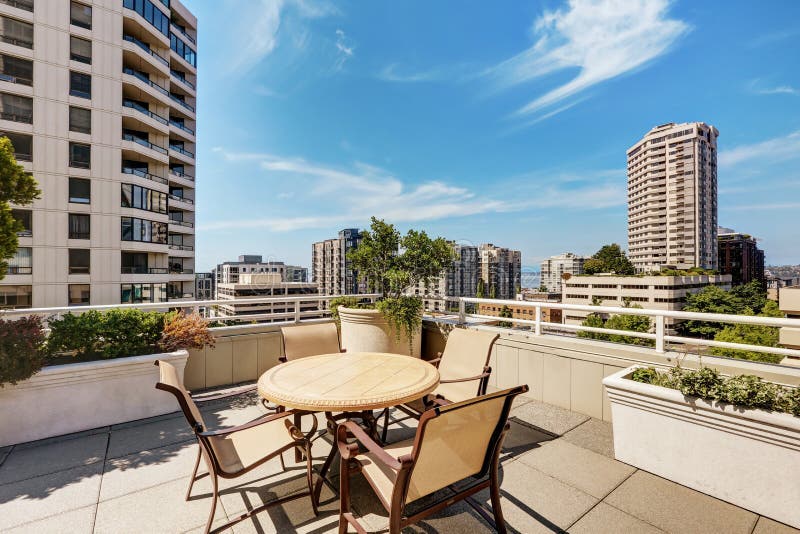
[694,271]
[746,391]
[112,334]
[404,314]
[17,187]
[631,323]
[542,288]
[506,313]
[492,291]
[766,336]
[481,291]
[20,348]
[609,259]
[748,299]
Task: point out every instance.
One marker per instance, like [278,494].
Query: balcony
[182,127]
[181,78]
[144,174]
[131,104]
[182,103]
[182,151]
[144,270]
[146,47]
[144,142]
[152,87]
[181,175]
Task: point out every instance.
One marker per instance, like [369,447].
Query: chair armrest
[350,450]
[436,361]
[471,378]
[217,396]
[251,424]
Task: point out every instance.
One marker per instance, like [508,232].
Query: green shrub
[111,334]
[20,349]
[746,391]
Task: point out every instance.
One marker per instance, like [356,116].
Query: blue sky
[503,122]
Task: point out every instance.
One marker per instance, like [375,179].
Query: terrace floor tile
[595,435]
[547,417]
[768,526]
[605,519]
[28,462]
[77,521]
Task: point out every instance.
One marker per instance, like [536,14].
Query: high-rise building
[459,280]
[740,257]
[500,270]
[98,98]
[672,198]
[555,267]
[331,270]
[204,286]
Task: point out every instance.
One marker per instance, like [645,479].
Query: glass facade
[182,49]
[134,229]
[134,196]
[133,293]
[150,13]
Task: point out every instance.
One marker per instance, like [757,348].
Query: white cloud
[390,73]
[352,195]
[772,150]
[779,90]
[344,48]
[602,38]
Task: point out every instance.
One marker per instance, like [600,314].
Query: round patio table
[354,383]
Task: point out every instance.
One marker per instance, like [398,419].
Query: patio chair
[309,340]
[463,368]
[453,442]
[232,452]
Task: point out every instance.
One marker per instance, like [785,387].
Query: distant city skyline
[509,127]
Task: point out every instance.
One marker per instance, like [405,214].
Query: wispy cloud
[602,38]
[772,150]
[391,73]
[759,89]
[351,195]
[345,49]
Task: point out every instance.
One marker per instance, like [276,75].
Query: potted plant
[391,264]
[93,369]
[735,438]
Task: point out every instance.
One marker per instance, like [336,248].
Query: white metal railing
[659,335]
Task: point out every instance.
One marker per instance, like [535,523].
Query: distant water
[530,279]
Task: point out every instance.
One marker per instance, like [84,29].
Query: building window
[182,49]
[80,155]
[80,120]
[150,13]
[134,196]
[16,296]
[134,263]
[79,294]
[21,262]
[80,15]
[16,108]
[16,32]
[16,70]
[79,261]
[133,293]
[22,143]
[80,49]
[80,84]
[134,229]
[79,226]
[25,217]
[80,190]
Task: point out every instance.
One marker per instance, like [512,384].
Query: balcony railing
[15,79]
[26,118]
[182,32]
[139,76]
[146,47]
[144,270]
[181,247]
[180,174]
[27,5]
[181,199]
[187,224]
[182,79]
[144,174]
[180,270]
[141,109]
[181,127]
[181,102]
[143,142]
[181,150]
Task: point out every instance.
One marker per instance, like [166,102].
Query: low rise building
[652,292]
[789,303]
[204,286]
[555,267]
[549,315]
[740,257]
[251,285]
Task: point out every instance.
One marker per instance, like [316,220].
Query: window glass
[80,84]
[79,294]
[15,296]
[80,15]
[79,226]
[16,108]
[80,120]
[80,155]
[80,49]
[16,32]
[16,70]
[150,13]
[23,145]
[80,190]
[79,261]
[26,218]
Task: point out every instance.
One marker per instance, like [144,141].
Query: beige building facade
[268,285]
[555,267]
[501,269]
[99,99]
[789,303]
[672,198]
[331,269]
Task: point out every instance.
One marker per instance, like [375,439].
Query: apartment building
[652,292]
[500,270]
[555,267]
[98,98]
[672,198]
[740,257]
[459,280]
[330,268]
[251,285]
[204,286]
[229,272]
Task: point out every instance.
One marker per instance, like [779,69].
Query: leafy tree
[766,336]
[505,312]
[481,291]
[18,187]
[631,323]
[609,259]
[752,295]
[543,288]
[492,292]
[748,299]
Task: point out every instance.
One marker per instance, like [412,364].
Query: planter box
[368,331]
[61,399]
[750,458]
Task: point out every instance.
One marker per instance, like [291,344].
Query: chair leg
[310,478]
[194,472]
[344,494]
[494,491]
[213,503]
[385,425]
[283,464]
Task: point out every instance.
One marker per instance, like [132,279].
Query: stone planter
[747,457]
[369,331]
[61,399]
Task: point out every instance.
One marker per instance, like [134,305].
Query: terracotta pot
[369,331]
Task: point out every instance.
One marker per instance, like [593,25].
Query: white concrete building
[229,272]
[98,98]
[268,285]
[555,267]
[672,198]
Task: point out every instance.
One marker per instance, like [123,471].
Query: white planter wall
[61,399]
[750,458]
[368,331]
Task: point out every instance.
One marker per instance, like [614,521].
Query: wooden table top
[348,382]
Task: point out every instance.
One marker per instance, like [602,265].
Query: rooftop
[558,474]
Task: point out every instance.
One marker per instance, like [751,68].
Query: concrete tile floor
[558,474]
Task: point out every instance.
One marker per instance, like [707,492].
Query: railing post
[297,311]
[660,333]
[537,329]
[462,311]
